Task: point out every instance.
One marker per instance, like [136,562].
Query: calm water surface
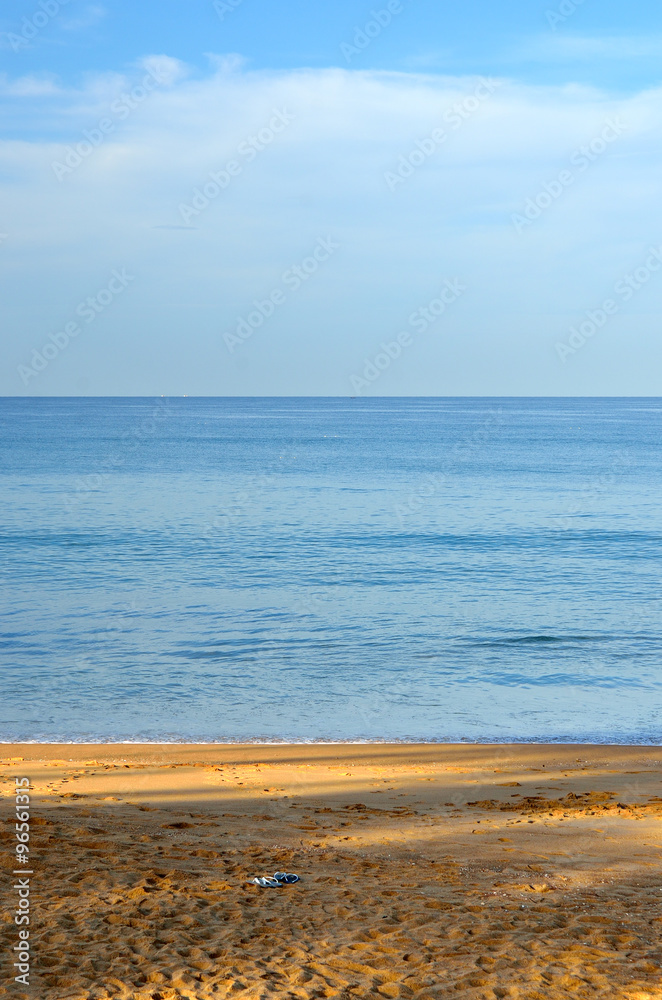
[335,569]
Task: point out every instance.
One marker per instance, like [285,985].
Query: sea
[331,569]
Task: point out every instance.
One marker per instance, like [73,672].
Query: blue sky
[269,196]
[600,42]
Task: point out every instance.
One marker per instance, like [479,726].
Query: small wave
[534,640]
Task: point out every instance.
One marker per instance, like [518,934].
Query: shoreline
[37,750]
[327,743]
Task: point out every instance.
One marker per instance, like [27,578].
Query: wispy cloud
[45,24]
[324,175]
[88,17]
[567,47]
[167,69]
[44,85]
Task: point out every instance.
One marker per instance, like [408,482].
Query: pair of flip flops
[279,878]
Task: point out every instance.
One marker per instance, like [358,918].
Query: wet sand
[426,871]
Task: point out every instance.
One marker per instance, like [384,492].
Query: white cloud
[324,175]
[228,63]
[165,68]
[568,47]
[30,86]
[88,17]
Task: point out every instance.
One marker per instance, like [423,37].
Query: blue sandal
[284,879]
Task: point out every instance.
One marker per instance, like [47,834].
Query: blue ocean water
[331,569]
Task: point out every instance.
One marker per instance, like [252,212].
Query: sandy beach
[425,871]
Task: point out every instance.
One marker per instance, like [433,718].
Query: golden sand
[426,871]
